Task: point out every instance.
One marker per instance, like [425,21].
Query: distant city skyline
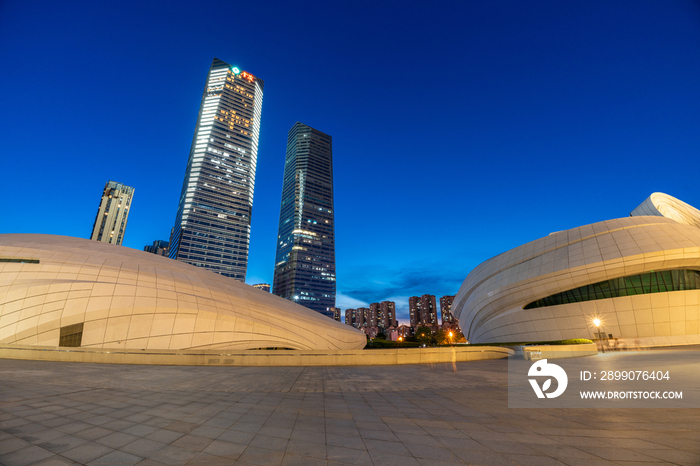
[460,132]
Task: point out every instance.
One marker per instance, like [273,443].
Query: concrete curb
[256,358]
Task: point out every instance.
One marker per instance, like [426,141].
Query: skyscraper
[305,259]
[212,226]
[113,213]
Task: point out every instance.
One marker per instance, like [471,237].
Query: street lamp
[596,322]
[450,335]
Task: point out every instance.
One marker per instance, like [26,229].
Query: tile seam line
[23,400]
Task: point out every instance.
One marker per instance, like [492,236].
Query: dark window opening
[19,261]
[644,283]
[71,335]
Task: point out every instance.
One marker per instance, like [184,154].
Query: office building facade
[113,213]
[212,225]
[305,258]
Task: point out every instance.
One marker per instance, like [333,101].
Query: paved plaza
[54,413]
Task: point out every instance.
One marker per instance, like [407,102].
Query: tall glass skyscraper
[212,226]
[305,259]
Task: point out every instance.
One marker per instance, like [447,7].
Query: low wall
[624,344]
[256,358]
[555,351]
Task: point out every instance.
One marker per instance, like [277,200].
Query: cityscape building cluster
[381,318]
[213,219]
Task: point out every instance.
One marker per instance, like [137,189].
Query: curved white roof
[490,302]
[132,299]
[663,205]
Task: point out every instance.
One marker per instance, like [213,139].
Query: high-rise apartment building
[336,313]
[362,317]
[354,317]
[212,225]
[305,259]
[373,315]
[387,314]
[414,311]
[445,306]
[382,314]
[422,310]
[113,213]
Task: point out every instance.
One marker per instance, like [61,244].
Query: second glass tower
[305,259]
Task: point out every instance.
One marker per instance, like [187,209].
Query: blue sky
[460,129]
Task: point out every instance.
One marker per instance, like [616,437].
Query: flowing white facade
[639,275]
[63,291]
[663,205]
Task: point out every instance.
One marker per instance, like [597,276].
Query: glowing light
[596,322]
[236,70]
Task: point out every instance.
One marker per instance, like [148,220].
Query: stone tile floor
[54,413]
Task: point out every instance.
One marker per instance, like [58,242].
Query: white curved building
[63,291]
[663,205]
[639,275]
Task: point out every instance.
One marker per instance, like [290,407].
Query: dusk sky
[460,129]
